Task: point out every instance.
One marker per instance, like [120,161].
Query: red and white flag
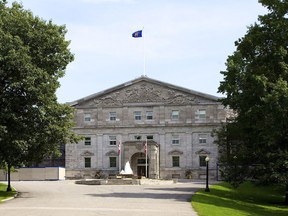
[119,148]
[145,147]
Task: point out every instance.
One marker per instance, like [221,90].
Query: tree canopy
[254,143]
[33,56]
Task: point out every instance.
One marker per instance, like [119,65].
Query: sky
[185,42]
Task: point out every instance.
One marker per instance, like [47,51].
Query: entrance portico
[133,151]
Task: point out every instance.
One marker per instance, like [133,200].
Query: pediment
[87,153]
[175,152]
[145,91]
[111,153]
[203,152]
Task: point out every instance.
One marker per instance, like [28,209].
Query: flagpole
[144,55]
[146,159]
[119,155]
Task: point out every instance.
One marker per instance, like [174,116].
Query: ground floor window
[87,162]
[175,161]
[202,161]
[112,161]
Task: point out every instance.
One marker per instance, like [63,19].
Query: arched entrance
[138,161]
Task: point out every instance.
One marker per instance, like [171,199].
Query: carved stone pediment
[87,153]
[144,92]
[111,153]
[203,152]
[175,152]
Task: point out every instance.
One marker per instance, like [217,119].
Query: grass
[5,195]
[246,200]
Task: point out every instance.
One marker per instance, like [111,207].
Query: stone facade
[175,122]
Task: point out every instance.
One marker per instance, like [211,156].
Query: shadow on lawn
[245,204]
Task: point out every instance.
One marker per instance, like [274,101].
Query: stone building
[175,122]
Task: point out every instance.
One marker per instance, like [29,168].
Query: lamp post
[207,174]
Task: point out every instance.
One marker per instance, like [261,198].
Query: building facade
[117,124]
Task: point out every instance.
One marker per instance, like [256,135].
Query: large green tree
[33,56]
[254,143]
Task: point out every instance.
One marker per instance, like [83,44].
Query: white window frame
[112,116]
[149,115]
[112,140]
[137,115]
[175,115]
[87,117]
[87,141]
[202,138]
[175,140]
[202,114]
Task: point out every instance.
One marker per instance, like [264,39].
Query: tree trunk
[9,182]
[286,195]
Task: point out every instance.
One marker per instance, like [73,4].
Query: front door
[141,171]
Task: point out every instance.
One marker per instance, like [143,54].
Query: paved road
[61,198]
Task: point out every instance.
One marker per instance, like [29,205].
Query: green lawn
[3,194]
[245,200]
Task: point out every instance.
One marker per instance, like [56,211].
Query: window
[112,140]
[149,115]
[202,114]
[202,161]
[112,161]
[137,115]
[202,138]
[87,162]
[112,116]
[87,141]
[175,161]
[175,140]
[175,115]
[87,117]
[137,137]
[149,137]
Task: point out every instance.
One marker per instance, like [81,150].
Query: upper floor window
[175,115]
[202,138]
[137,115]
[87,141]
[87,161]
[202,114]
[149,137]
[112,140]
[112,116]
[87,117]
[175,161]
[149,115]
[175,140]
[137,137]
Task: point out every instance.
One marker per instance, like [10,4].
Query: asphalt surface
[65,198]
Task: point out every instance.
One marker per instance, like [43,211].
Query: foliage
[33,56]
[248,199]
[255,84]
[5,195]
[99,174]
[188,174]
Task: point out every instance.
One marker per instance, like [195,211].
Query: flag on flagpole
[137,34]
[119,148]
[145,147]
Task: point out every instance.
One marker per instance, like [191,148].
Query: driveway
[58,198]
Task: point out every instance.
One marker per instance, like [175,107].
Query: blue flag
[137,34]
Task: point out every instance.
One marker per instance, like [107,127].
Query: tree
[33,56]
[256,88]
